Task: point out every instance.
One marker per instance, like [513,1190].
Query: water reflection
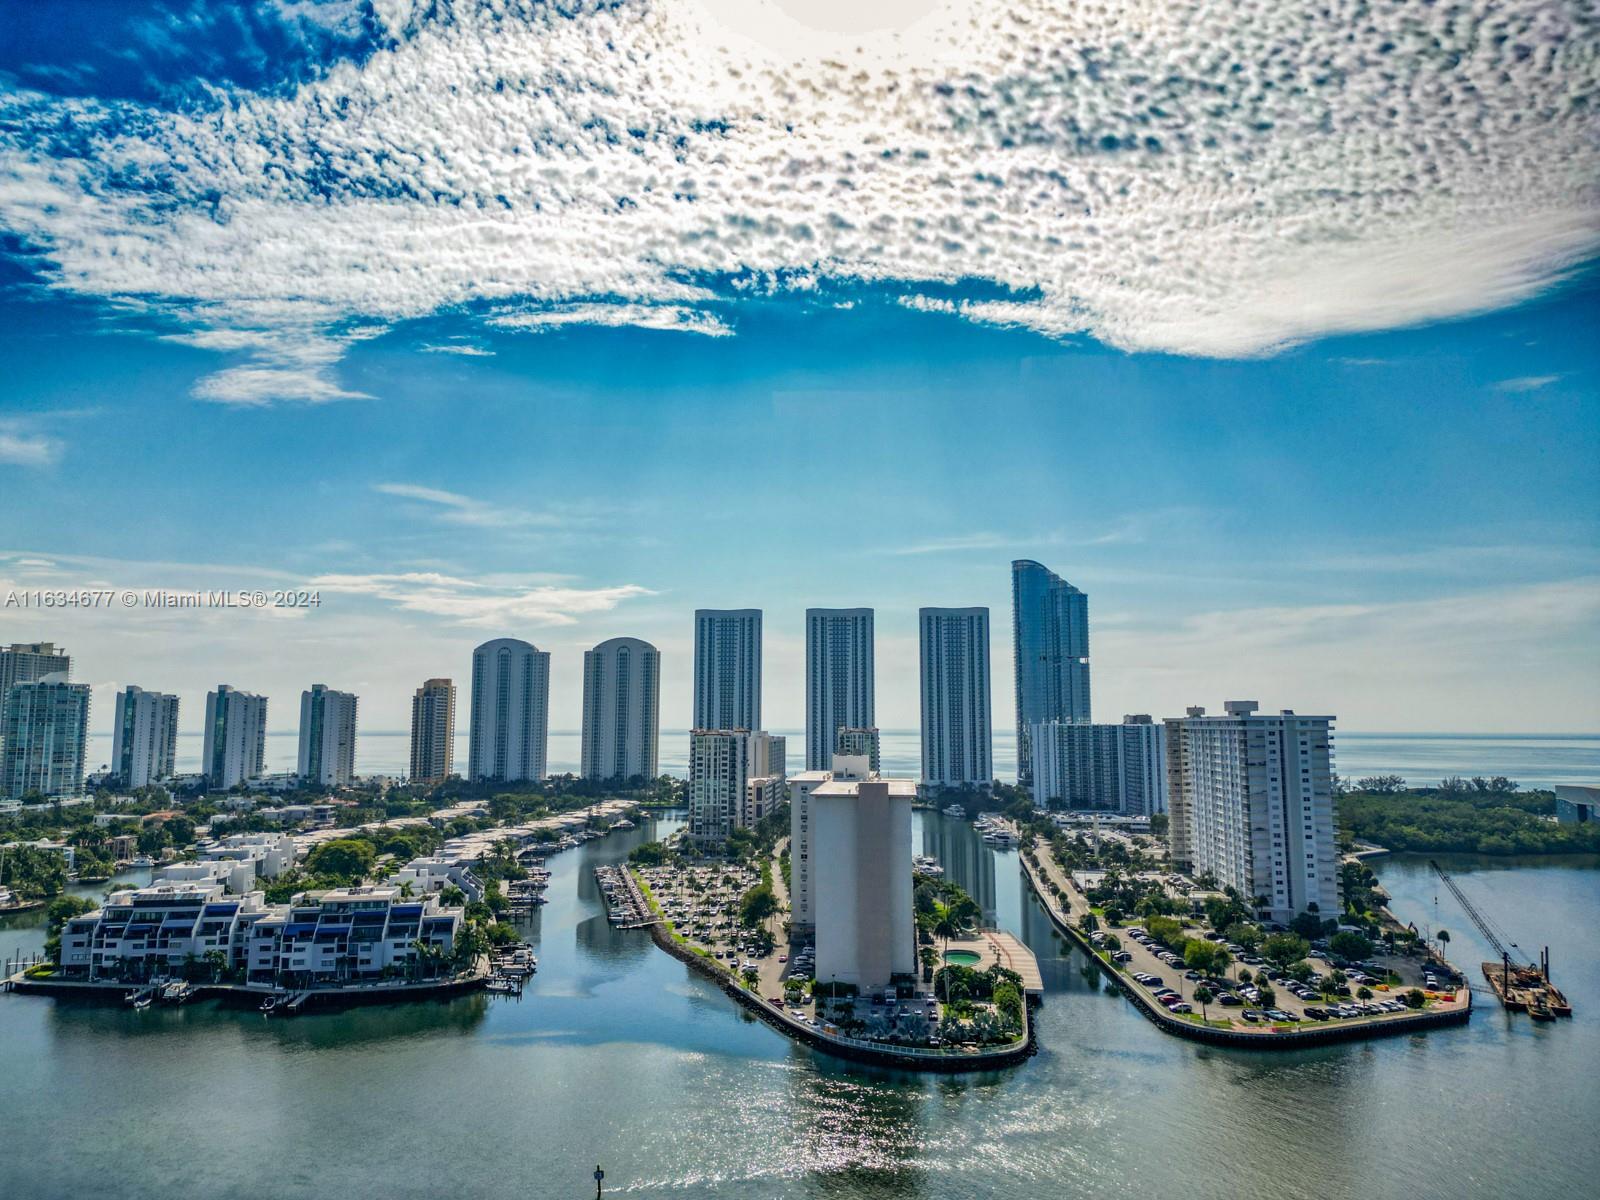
[79,1020]
[967,861]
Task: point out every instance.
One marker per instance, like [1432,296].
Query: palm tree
[1203,996]
[946,925]
[1222,961]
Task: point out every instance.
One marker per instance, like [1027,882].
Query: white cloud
[465,349]
[1205,181]
[455,509]
[1526,383]
[1466,661]
[21,448]
[468,602]
[671,317]
[960,542]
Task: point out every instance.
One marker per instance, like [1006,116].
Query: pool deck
[996,947]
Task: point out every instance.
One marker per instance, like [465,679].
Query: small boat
[623,824]
[267,1005]
[954,810]
[142,1003]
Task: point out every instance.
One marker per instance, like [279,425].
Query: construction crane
[1493,934]
[1521,986]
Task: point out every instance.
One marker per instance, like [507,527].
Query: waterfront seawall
[1238,1038]
[885,1056]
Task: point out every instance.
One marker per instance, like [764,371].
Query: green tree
[757,905]
[1308,925]
[1203,996]
[347,859]
[1281,949]
[1245,934]
[1008,1003]
[1201,955]
[1350,946]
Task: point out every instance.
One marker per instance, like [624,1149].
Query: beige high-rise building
[510,731]
[621,710]
[861,840]
[433,731]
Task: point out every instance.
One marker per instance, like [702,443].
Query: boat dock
[626,906]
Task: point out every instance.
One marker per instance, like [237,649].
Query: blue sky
[1367,486]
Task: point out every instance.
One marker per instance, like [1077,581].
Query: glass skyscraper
[1050,638]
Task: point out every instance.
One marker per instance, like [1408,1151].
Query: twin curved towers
[510,717]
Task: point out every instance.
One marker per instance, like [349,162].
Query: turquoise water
[1535,760]
[618,1055]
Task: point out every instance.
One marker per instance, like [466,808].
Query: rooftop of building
[852,787]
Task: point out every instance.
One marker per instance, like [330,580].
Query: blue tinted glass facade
[1050,638]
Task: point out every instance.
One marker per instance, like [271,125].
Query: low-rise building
[158,930]
[763,795]
[1577,804]
[437,872]
[321,938]
[351,935]
[268,854]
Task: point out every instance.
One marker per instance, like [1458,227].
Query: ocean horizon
[1535,760]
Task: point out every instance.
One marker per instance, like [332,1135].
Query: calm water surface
[616,1054]
[1533,759]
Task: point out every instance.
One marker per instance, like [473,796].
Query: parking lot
[1241,1005]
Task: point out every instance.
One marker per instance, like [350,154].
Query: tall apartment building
[722,762]
[433,731]
[327,736]
[719,769]
[957,733]
[235,738]
[802,863]
[24,662]
[1177,751]
[1120,768]
[144,739]
[839,678]
[861,857]
[43,730]
[727,668]
[1050,641]
[1255,792]
[510,711]
[621,710]
[858,741]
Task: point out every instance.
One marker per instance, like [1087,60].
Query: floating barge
[1527,988]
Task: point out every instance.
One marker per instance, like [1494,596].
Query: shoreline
[904,1058]
[1265,1039]
[236,994]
